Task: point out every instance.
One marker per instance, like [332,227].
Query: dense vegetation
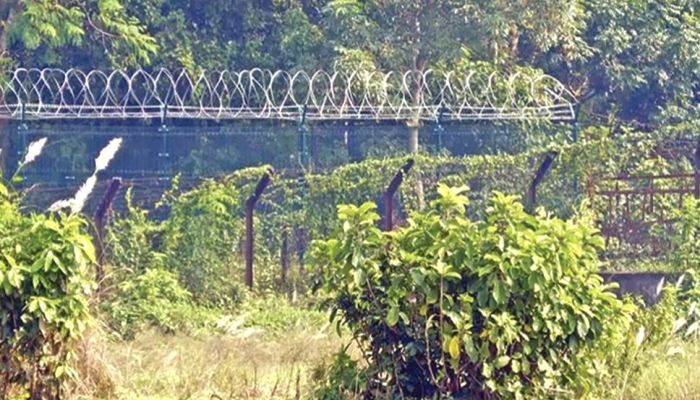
[479,293]
[456,302]
[46,281]
[510,306]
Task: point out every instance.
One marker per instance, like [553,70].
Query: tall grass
[254,363]
[667,377]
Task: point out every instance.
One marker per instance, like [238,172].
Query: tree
[235,34]
[444,34]
[397,35]
[645,58]
[72,32]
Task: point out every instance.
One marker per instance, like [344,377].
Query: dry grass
[255,364]
[669,378]
[250,365]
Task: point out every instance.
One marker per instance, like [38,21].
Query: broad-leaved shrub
[510,306]
[45,283]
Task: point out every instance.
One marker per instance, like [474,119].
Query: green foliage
[510,305]
[201,240]
[41,28]
[686,257]
[342,379]
[643,53]
[685,242]
[131,241]
[45,283]
[154,298]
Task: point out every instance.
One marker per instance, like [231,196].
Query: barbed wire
[281,95]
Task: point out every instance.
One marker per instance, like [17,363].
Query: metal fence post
[100,214]
[303,139]
[439,130]
[696,190]
[352,142]
[163,154]
[539,175]
[390,191]
[23,128]
[284,255]
[249,233]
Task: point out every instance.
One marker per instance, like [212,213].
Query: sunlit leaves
[45,279]
[512,298]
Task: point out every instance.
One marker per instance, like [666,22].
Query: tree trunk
[7,14]
[414,126]
[413,131]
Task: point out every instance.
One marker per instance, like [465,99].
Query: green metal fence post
[439,130]
[164,155]
[23,128]
[303,139]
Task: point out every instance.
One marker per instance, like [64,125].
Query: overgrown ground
[260,363]
[272,359]
[675,377]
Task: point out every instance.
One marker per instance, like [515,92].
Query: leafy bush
[153,298]
[685,256]
[45,282]
[510,306]
[131,241]
[342,379]
[201,238]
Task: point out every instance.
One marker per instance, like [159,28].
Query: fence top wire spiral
[281,95]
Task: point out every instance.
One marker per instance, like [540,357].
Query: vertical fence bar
[249,232]
[352,142]
[439,130]
[163,154]
[303,139]
[100,214]
[22,129]
[391,190]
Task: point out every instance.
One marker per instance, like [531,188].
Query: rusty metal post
[391,190]
[284,256]
[696,192]
[100,214]
[539,176]
[249,233]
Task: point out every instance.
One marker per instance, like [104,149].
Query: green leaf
[393,316]
[454,348]
[502,361]
[359,277]
[418,276]
[470,349]
[500,293]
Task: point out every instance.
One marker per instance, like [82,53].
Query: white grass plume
[107,154]
[83,194]
[77,203]
[60,205]
[33,151]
